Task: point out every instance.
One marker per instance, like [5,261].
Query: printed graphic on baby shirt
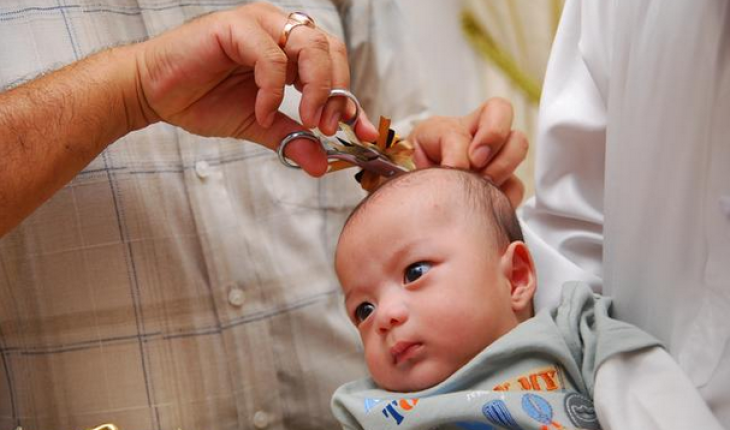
[581,412]
[497,412]
[536,399]
[540,410]
[396,410]
[549,378]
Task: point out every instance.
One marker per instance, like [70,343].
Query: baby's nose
[391,315]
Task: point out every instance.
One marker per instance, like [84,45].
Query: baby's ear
[518,268]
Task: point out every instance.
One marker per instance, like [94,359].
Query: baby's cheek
[371,357]
[377,366]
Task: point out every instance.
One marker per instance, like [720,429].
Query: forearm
[54,126]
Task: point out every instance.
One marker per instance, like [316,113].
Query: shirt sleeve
[647,389]
[382,63]
[591,334]
[563,222]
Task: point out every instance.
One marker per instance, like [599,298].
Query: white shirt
[633,174]
[177,281]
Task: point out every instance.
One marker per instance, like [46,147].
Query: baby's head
[434,269]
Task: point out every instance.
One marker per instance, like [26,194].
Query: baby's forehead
[429,186]
[432,184]
[417,193]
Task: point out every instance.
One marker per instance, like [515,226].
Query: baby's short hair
[479,194]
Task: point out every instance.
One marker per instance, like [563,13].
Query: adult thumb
[307,154]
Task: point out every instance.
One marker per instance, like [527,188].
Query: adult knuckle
[322,87]
[440,121]
[260,5]
[338,47]
[276,92]
[275,57]
[496,136]
[501,167]
[515,190]
[522,144]
[319,41]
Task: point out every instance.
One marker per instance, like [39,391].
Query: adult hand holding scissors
[219,75]
[224,75]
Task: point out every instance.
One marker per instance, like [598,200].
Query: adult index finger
[309,49]
[490,125]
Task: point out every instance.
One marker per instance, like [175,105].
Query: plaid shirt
[177,281]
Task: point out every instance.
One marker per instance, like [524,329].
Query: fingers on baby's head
[466,192]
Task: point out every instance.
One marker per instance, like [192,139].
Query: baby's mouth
[404,350]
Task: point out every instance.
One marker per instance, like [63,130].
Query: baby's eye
[363,311]
[415,271]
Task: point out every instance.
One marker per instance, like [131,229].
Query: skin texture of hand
[482,141]
[220,75]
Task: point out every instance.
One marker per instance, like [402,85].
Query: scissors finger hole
[352,102]
[290,138]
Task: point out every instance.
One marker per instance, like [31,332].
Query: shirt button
[261,420]
[202,169]
[725,205]
[236,297]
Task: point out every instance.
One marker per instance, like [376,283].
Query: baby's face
[424,285]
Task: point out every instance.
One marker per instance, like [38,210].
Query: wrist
[139,114]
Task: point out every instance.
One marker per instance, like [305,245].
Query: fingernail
[480,156]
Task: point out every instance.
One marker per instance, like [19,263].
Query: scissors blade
[348,147]
[349,133]
[367,157]
[383,166]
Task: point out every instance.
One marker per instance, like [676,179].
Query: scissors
[353,151]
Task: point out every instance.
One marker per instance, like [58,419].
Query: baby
[439,283]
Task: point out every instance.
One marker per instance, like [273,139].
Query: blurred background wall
[470,50]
